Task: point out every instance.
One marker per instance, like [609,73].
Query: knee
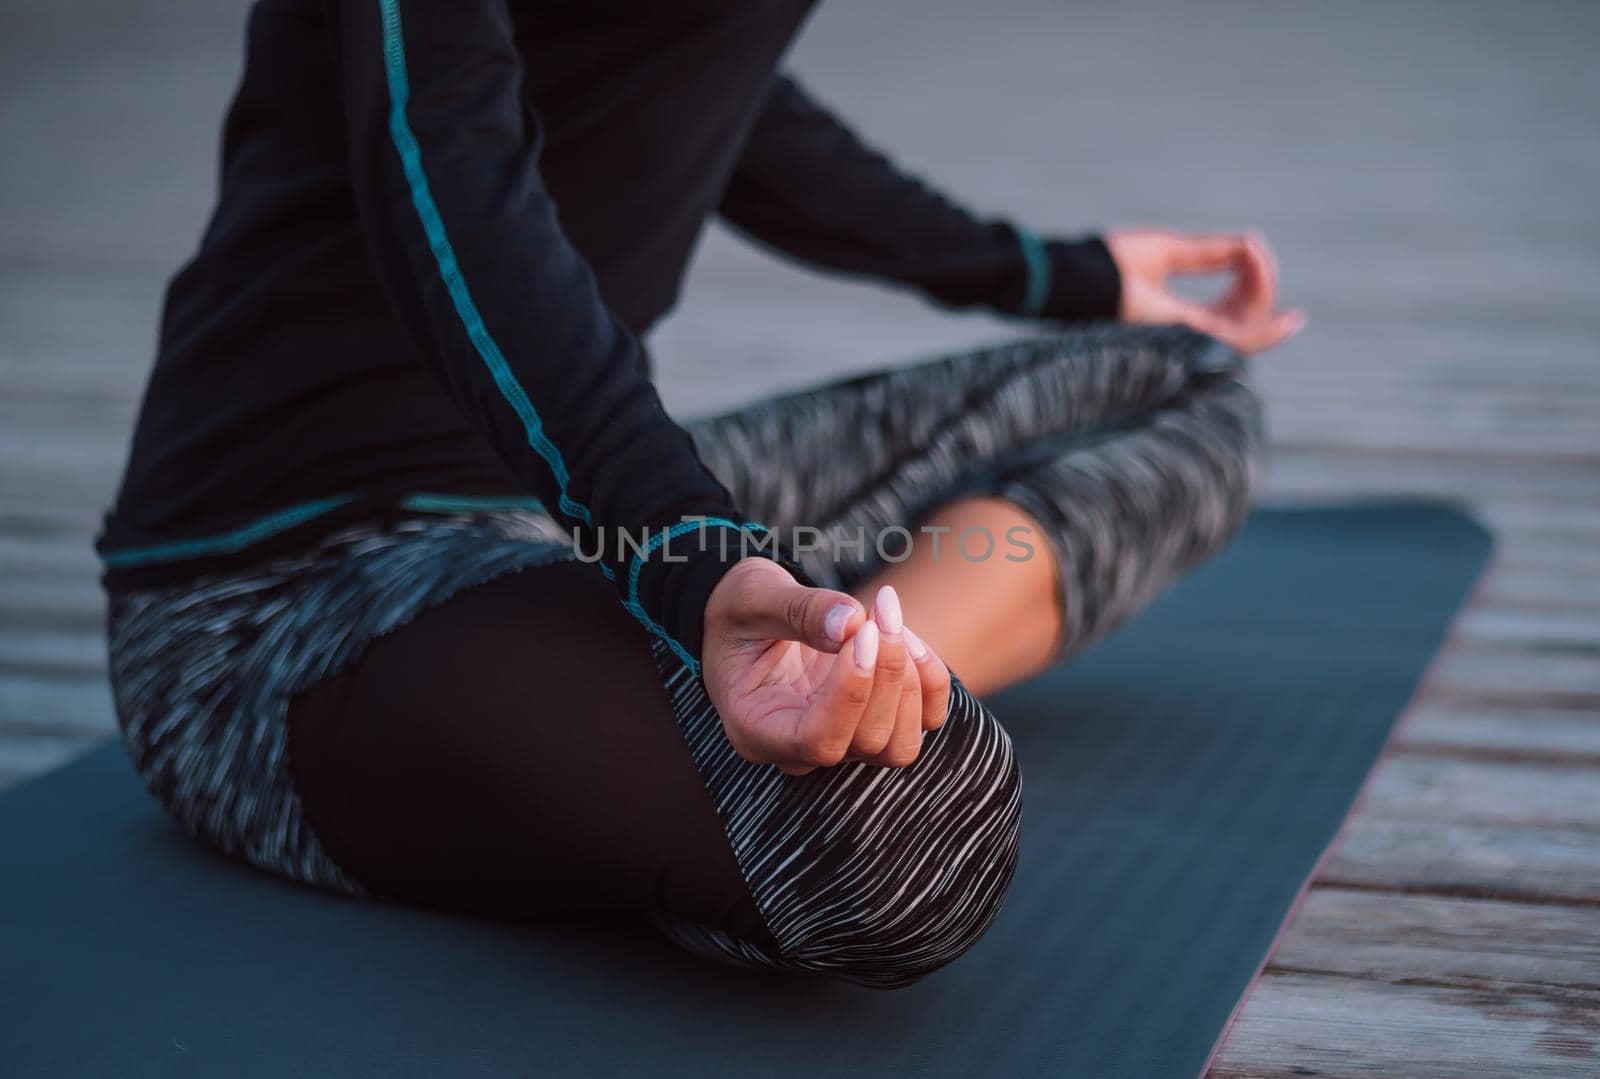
[1209,450]
[1231,411]
[1218,410]
[917,871]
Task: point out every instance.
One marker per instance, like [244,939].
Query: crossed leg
[520,748]
[1091,468]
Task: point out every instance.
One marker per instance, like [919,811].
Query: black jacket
[442,227]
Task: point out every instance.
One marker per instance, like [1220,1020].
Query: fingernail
[866,650]
[888,605]
[914,645]
[838,617]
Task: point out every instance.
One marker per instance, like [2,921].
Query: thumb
[779,607]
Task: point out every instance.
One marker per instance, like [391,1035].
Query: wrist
[1067,280]
[679,577]
[1086,280]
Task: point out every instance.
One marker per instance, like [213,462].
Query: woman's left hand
[803,678]
[1245,316]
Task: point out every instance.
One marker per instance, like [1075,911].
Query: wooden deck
[1429,175]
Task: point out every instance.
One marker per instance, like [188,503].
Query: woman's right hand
[804,679]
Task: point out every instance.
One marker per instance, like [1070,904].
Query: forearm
[809,187]
[465,239]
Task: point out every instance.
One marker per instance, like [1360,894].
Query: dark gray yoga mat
[1180,782]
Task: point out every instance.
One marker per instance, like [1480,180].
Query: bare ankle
[983,591]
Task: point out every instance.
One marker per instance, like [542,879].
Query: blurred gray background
[1428,174]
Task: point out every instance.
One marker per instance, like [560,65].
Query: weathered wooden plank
[1477,944]
[1565,516]
[32,554]
[1557,678]
[1504,734]
[1399,431]
[1443,857]
[1298,1024]
[61,653]
[1542,587]
[1483,476]
[42,704]
[95,420]
[1496,628]
[1356,383]
[71,459]
[76,603]
[1467,395]
[1412,787]
[1567,553]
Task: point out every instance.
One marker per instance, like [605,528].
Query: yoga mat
[1180,782]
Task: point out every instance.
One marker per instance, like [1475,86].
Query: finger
[823,734]
[905,741]
[1246,336]
[1203,318]
[933,678]
[775,606]
[1260,242]
[1253,296]
[878,719]
[1204,253]
[1258,336]
[1280,328]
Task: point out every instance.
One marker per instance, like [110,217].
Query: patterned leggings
[445,708]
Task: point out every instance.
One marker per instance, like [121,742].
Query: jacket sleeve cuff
[1069,280]
[680,589]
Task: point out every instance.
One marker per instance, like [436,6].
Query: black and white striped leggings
[447,708]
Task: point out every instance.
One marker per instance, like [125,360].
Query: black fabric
[313,349]
[887,224]
[1180,781]
[512,753]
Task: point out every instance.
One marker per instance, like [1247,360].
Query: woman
[373,626]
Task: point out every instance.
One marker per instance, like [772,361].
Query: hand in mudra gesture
[1245,316]
[804,678]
